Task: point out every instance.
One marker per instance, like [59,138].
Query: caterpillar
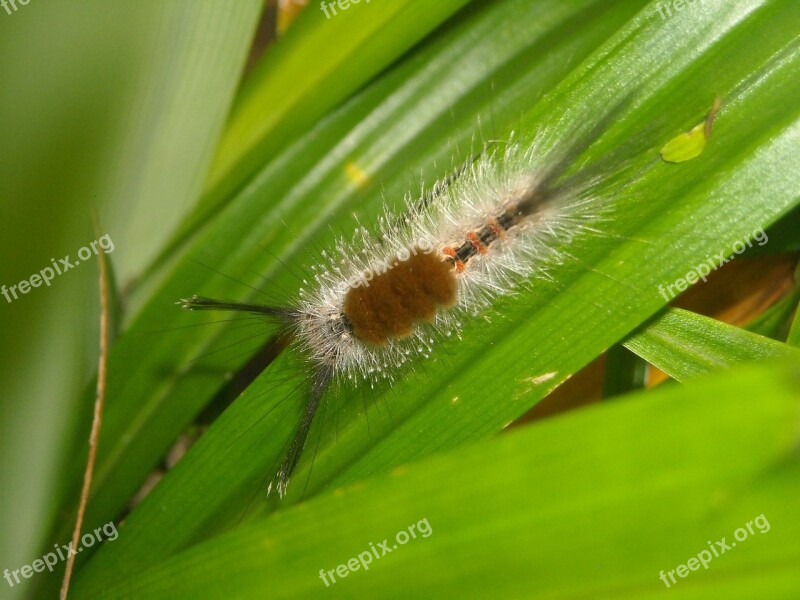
[383,298]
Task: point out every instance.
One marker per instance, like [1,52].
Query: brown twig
[98,412]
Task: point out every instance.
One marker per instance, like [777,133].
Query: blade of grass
[625,372]
[684,344]
[794,331]
[652,478]
[190,50]
[410,113]
[774,321]
[316,66]
[672,217]
[90,114]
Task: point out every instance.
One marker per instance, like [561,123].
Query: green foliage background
[195,169]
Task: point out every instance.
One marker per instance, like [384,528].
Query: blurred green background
[198,154]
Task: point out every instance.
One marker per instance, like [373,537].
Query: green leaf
[665,220]
[690,145]
[775,321]
[106,106]
[166,368]
[794,331]
[624,372]
[595,504]
[190,50]
[684,344]
[612,74]
[319,64]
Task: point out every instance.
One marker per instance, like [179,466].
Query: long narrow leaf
[593,505]
[684,345]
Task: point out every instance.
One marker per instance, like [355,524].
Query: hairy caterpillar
[383,298]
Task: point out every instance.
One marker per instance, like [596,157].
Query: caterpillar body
[383,298]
